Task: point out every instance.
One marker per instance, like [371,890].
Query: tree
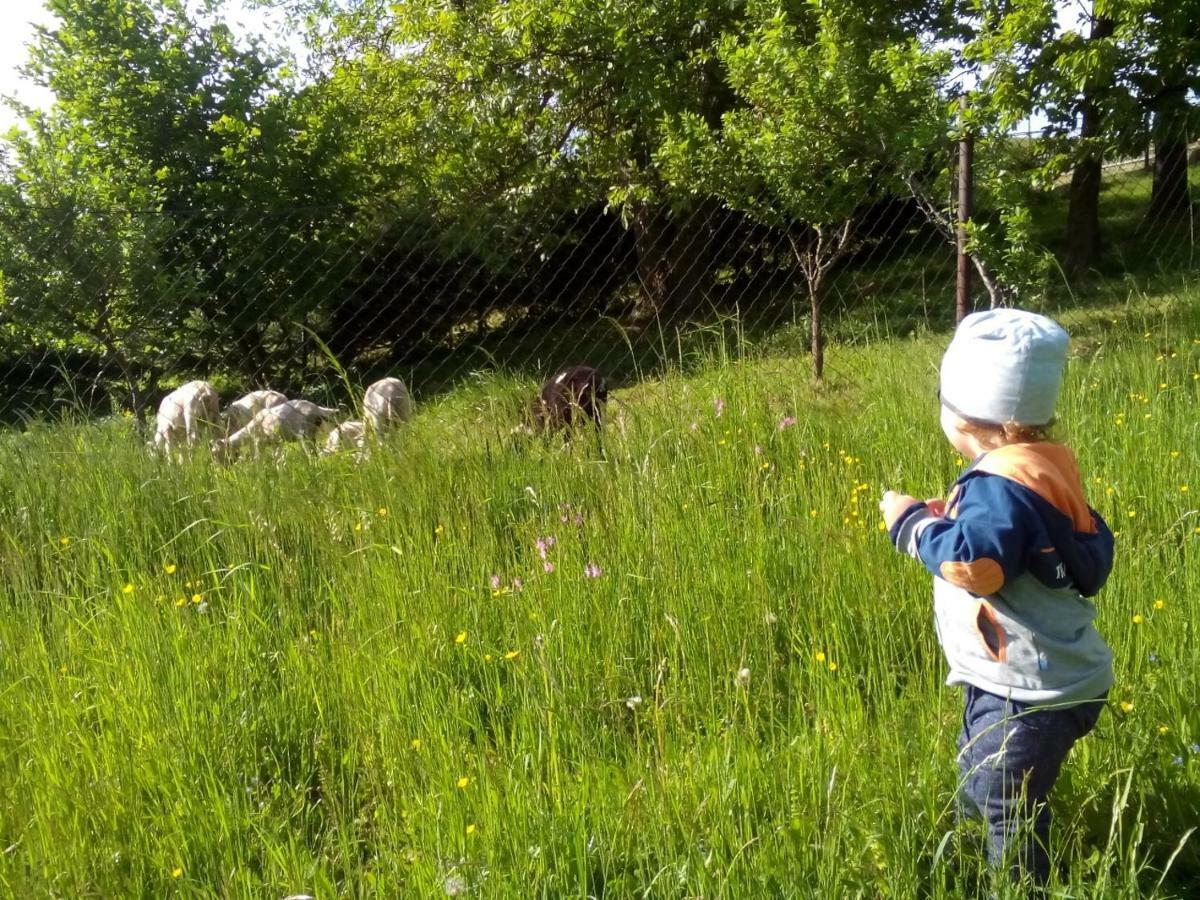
[834,105]
[1166,48]
[133,213]
[537,106]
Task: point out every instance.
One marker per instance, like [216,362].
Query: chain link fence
[104,310]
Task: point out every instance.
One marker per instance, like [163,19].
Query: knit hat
[1004,365]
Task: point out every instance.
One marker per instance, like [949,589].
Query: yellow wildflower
[1159,604]
[1138,619]
[197,598]
[460,638]
[415,743]
[471,829]
[177,871]
[182,601]
[381,512]
[832,666]
[1126,706]
[1183,489]
[128,589]
[64,541]
[358,526]
[463,782]
[1132,514]
[169,568]
[1163,729]
[820,656]
[512,654]
[440,528]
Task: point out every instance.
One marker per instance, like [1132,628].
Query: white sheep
[292,420]
[386,401]
[347,436]
[237,415]
[183,414]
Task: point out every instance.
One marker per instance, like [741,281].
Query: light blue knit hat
[1004,365]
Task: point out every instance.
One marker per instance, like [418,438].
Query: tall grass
[300,676]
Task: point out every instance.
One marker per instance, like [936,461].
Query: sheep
[575,396]
[385,402]
[237,415]
[183,414]
[344,437]
[292,420]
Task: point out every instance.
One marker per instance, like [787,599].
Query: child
[1014,551]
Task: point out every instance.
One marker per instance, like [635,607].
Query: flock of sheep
[574,396]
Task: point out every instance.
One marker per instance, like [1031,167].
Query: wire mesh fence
[104,310]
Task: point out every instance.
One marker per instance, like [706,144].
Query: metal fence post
[966,155]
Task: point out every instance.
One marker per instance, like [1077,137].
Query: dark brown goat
[575,396]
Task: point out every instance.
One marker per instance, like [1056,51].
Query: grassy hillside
[717,680]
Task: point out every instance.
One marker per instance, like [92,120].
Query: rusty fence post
[966,156]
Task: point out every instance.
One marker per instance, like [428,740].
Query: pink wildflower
[591,570]
[495,582]
[787,422]
[719,407]
[548,567]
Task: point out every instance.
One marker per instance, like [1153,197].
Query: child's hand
[937,506]
[893,505]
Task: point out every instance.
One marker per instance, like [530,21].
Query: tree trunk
[1083,212]
[1170,196]
[815,291]
[651,235]
[672,258]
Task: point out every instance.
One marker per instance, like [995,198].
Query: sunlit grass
[717,680]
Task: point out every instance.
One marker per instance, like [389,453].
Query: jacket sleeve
[981,548]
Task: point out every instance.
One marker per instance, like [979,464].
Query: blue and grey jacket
[1015,557]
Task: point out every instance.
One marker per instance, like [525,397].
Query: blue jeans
[1010,754]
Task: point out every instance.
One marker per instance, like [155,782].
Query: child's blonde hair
[992,436]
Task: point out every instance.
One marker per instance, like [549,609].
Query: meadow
[683,663]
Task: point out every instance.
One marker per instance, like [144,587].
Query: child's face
[962,441]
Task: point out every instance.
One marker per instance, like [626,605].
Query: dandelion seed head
[743,678]
[633,702]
